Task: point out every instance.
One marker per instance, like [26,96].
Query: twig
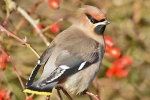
[19,39]
[49,35]
[48,97]
[32,22]
[96,86]
[32,9]
[7,13]
[6,20]
[92,95]
[46,28]
[15,70]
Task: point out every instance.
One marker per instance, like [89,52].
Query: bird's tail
[37,92]
[40,90]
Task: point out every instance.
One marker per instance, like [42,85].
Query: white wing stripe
[64,67]
[82,65]
[38,62]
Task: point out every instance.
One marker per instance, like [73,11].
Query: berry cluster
[113,51]
[118,67]
[3,61]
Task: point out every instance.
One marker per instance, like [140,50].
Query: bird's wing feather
[68,64]
[43,59]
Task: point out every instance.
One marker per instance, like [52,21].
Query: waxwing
[73,58]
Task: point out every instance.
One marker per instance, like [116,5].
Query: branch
[30,20]
[19,39]
[15,70]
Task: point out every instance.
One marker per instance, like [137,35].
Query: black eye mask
[93,20]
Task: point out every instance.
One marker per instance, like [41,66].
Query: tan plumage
[73,58]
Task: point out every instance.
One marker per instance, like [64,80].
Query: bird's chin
[100,29]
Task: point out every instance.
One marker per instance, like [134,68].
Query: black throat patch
[99,29]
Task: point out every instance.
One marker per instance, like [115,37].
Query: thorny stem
[30,20]
[92,95]
[19,39]
[32,9]
[15,70]
[96,86]
[6,20]
[45,29]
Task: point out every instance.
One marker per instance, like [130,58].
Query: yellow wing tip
[37,92]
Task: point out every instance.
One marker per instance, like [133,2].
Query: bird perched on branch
[73,58]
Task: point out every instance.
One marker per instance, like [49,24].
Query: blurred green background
[129,28]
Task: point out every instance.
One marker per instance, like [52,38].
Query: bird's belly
[80,81]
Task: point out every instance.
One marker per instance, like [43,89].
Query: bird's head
[93,19]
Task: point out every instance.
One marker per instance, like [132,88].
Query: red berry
[40,26]
[114,52]
[2,65]
[54,4]
[30,99]
[118,64]
[121,73]
[55,28]
[126,60]
[109,41]
[107,48]
[3,93]
[4,57]
[110,72]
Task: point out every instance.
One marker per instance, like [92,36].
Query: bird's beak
[106,22]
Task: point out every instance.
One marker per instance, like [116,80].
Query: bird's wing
[68,64]
[43,59]
[77,52]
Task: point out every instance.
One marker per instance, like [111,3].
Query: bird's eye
[91,19]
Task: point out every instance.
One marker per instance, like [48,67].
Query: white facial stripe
[102,23]
[64,67]
[82,65]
